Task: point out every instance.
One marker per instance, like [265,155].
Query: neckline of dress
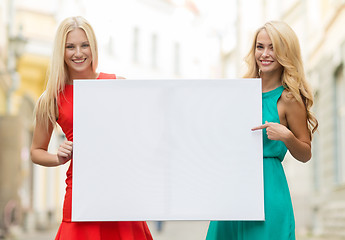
[274,91]
[98,77]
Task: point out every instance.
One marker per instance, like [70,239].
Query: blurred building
[326,68]
[4,73]
[13,148]
[26,31]
[158,39]
[8,198]
[40,202]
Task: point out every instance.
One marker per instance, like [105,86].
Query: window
[135,56]
[339,97]
[316,149]
[110,46]
[177,58]
[154,50]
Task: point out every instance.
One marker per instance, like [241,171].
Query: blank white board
[167,150]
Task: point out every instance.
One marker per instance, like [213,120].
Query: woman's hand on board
[65,152]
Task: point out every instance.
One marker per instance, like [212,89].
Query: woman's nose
[78,51]
[265,53]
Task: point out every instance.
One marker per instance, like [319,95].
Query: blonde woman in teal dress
[287,124]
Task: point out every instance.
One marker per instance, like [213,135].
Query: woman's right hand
[65,152]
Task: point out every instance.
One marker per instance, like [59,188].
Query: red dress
[90,230]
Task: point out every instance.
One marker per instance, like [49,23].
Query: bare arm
[296,135]
[39,148]
[298,142]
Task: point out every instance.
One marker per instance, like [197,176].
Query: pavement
[169,230]
[48,234]
[179,230]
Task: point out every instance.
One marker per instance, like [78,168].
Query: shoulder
[287,97]
[103,75]
[291,104]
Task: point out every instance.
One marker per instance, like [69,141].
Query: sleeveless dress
[89,230]
[279,221]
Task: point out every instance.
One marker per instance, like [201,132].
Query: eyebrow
[81,43]
[259,43]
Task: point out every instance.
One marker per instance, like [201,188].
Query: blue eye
[70,46]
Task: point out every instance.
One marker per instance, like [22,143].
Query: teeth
[79,61]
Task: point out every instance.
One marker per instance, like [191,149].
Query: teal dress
[279,221]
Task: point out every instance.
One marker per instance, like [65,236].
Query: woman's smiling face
[78,56]
[264,54]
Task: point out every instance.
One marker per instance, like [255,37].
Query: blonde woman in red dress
[75,56]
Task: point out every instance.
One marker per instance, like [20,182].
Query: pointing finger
[260,127]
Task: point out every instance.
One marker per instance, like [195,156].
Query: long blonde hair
[288,53]
[47,105]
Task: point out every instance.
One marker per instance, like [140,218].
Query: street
[171,230]
[180,230]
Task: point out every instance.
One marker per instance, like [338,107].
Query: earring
[259,72]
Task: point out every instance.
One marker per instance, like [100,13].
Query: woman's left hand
[275,131]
